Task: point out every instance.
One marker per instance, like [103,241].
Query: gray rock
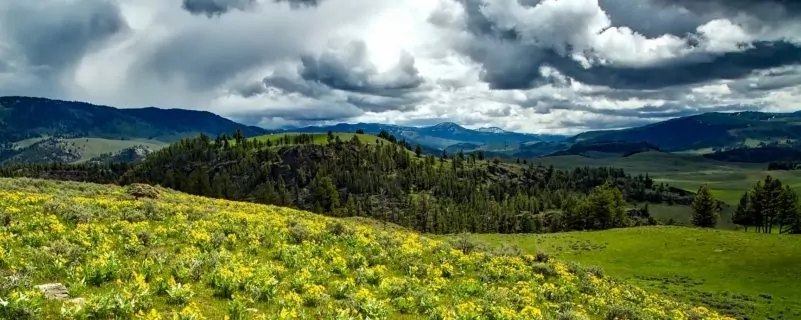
[54,291]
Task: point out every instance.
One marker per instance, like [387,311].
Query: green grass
[727,180]
[736,272]
[728,186]
[124,255]
[94,147]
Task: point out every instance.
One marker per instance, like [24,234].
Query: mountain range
[46,130]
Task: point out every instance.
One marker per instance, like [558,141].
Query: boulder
[54,291]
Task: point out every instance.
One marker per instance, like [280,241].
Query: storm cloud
[213,8]
[350,69]
[531,65]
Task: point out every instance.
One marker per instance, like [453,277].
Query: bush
[140,190]
[596,271]
[179,294]
[151,210]
[336,228]
[467,245]
[508,250]
[68,210]
[622,313]
[21,307]
[544,269]
[543,257]
[299,233]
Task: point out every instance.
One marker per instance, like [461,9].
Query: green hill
[748,275]
[187,257]
[708,130]
[26,122]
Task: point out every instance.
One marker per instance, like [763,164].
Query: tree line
[390,182]
[769,205]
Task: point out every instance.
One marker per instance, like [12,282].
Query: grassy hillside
[708,130]
[186,257]
[75,150]
[27,117]
[745,274]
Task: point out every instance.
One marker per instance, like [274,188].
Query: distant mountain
[43,130]
[441,136]
[26,117]
[708,130]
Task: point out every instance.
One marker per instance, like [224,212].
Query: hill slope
[437,137]
[190,257]
[25,121]
[26,117]
[708,130]
[750,275]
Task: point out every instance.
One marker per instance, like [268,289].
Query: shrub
[151,210]
[179,294]
[336,228]
[68,210]
[508,250]
[596,271]
[467,245]
[21,306]
[543,257]
[622,313]
[299,233]
[237,309]
[140,190]
[544,269]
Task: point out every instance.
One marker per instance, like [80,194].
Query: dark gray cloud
[509,62]
[212,8]
[301,3]
[350,69]
[731,65]
[55,35]
[652,20]
[216,8]
[760,8]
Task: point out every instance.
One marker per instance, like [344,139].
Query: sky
[542,66]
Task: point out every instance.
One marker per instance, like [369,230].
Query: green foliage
[769,205]
[705,209]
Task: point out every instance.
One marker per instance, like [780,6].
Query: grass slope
[94,147]
[745,274]
[38,151]
[186,257]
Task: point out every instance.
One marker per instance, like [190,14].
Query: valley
[440,214]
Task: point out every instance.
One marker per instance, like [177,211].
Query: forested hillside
[387,181]
[27,117]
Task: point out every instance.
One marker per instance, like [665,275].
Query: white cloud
[422,61]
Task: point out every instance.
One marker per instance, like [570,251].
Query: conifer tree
[742,216]
[705,209]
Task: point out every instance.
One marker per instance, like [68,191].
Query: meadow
[727,180]
[149,253]
[748,275]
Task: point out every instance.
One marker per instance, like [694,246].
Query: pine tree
[418,151]
[705,208]
[788,211]
[742,216]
